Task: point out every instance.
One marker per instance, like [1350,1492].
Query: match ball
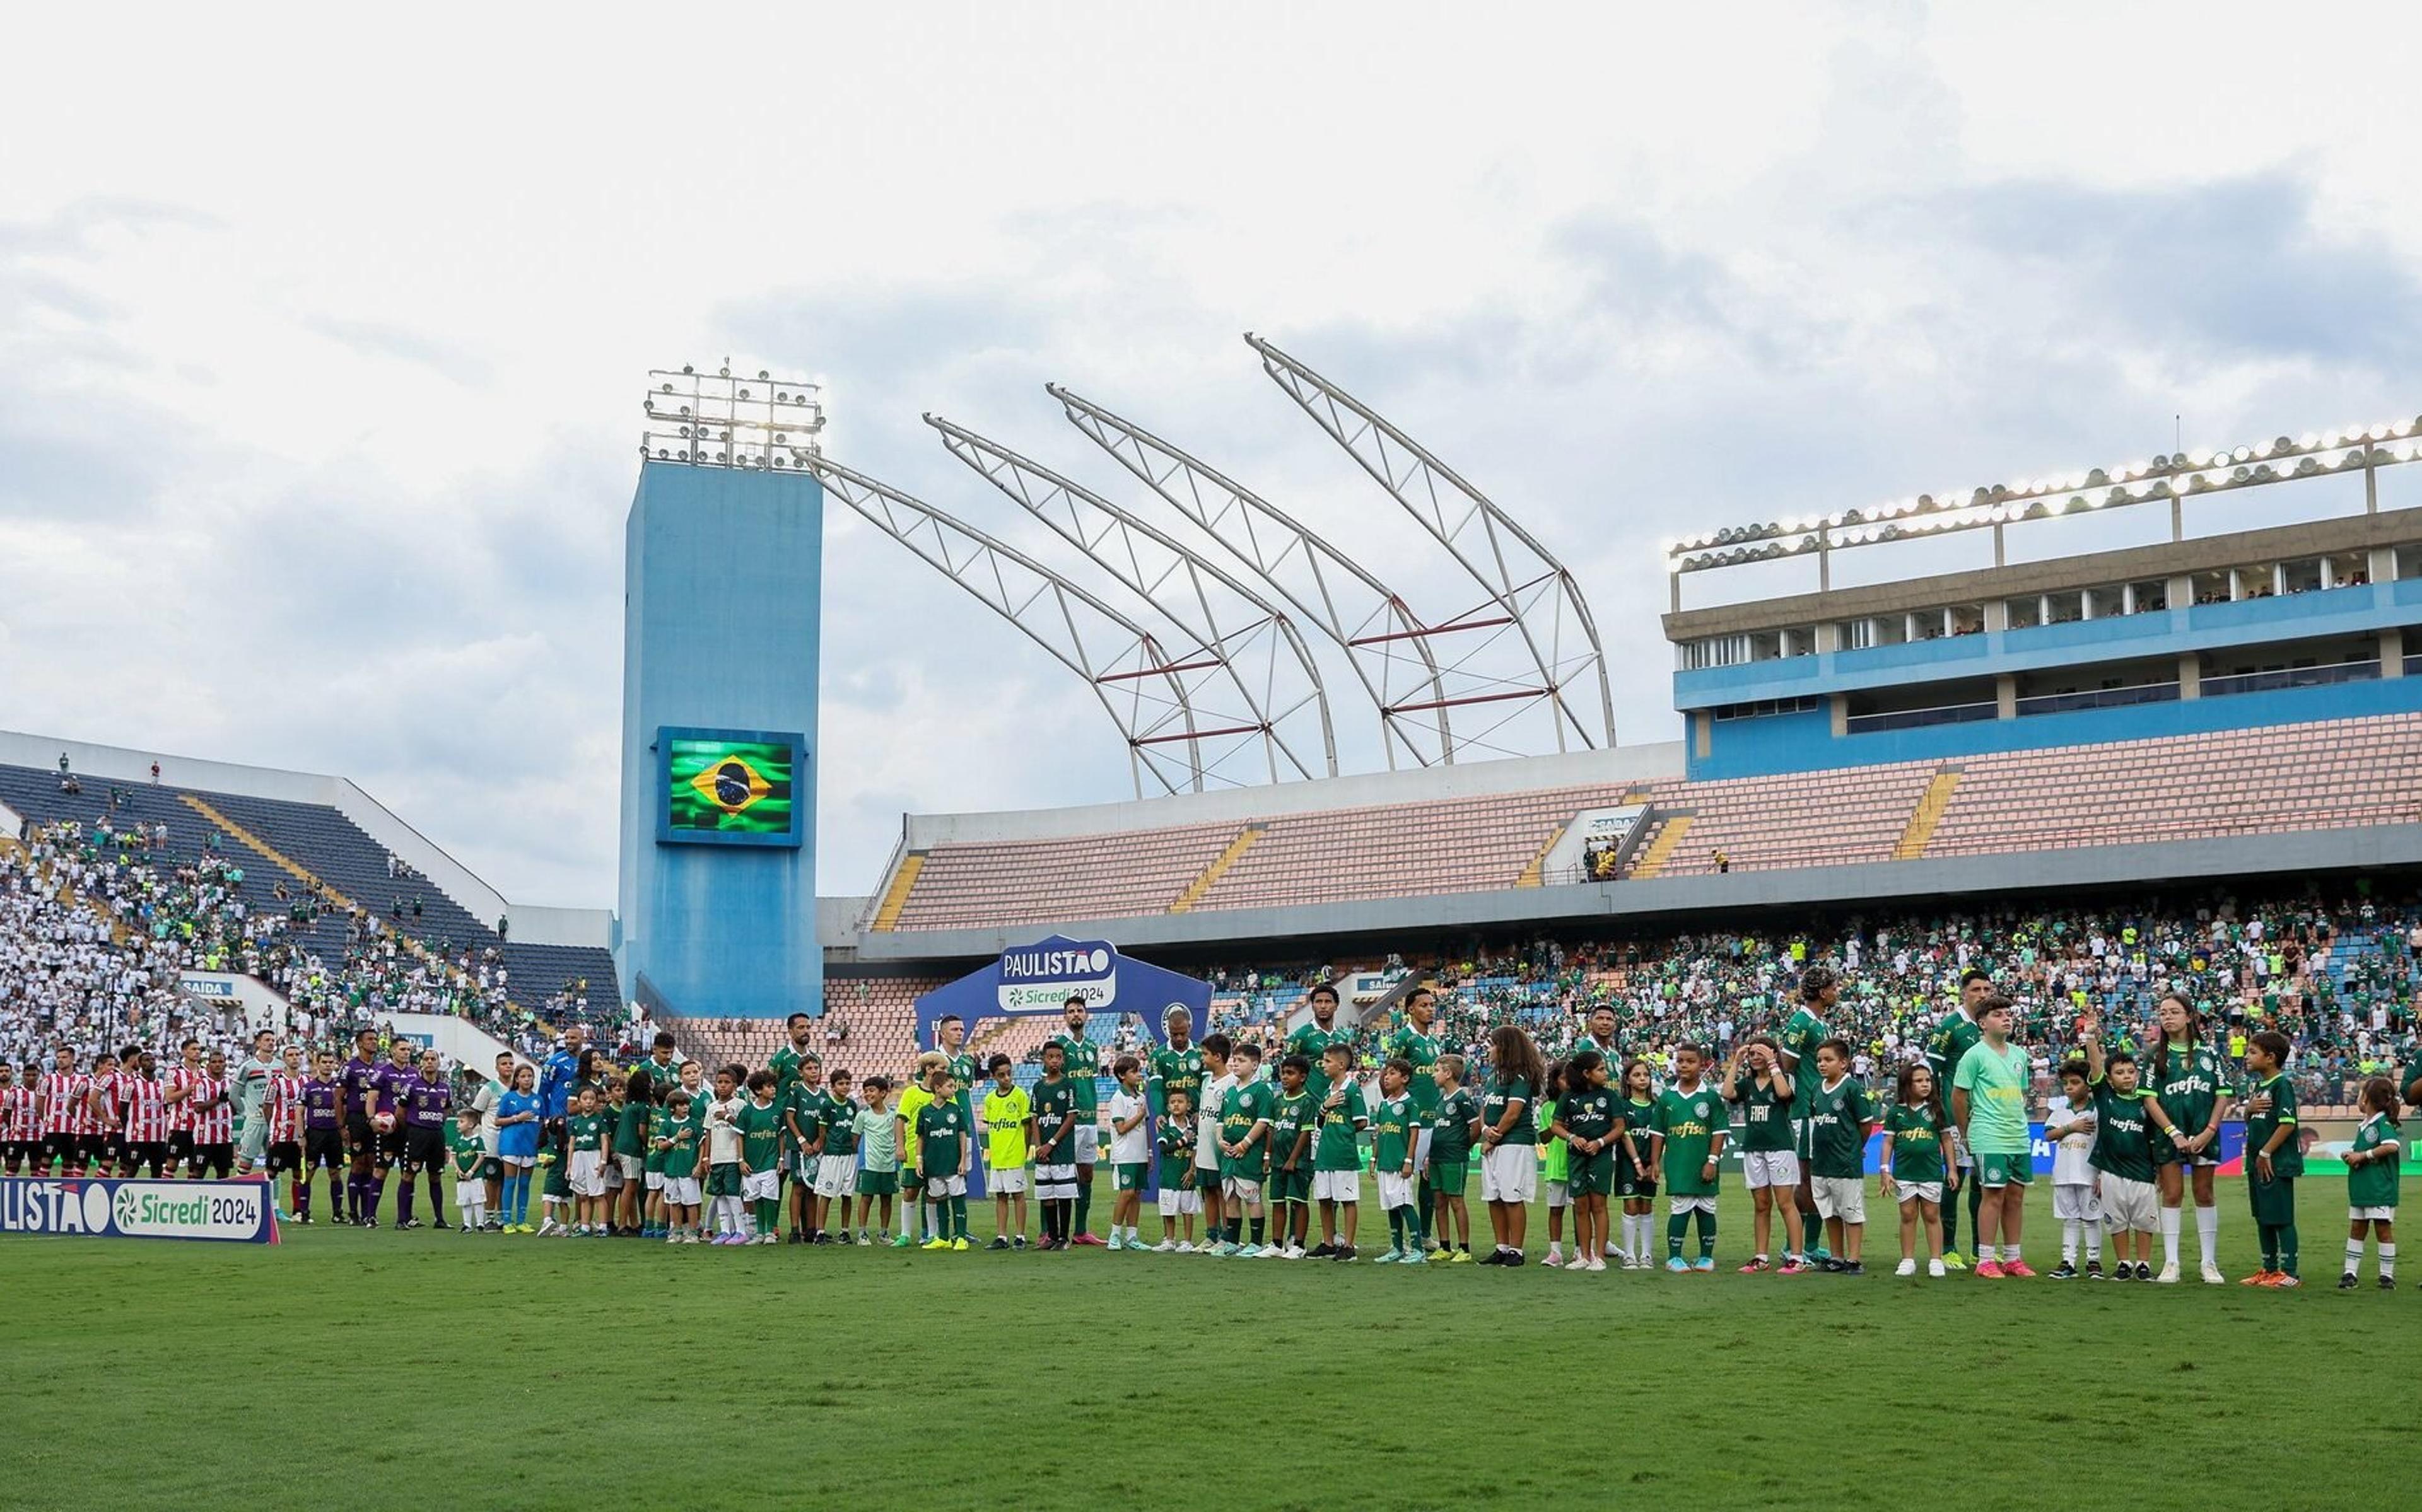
[384,1123]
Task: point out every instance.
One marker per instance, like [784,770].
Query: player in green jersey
[2189,1085]
[1755,1083]
[2122,1157]
[2371,1166]
[1417,1047]
[1395,1128]
[1691,1130]
[802,1103]
[1509,1139]
[1312,1040]
[1913,1168]
[1820,989]
[1455,1128]
[1289,1192]
[1943,1052]
[1177,1065]
[1838,1119]
[1055,1147]
[800,1032]
[1337,1155]
[2274,1160]
[1245,1111]
[762,1125]
[1585,1120]
[1083,1059]
[1635,1173]
[950,1039]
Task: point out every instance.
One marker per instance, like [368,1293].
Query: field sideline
[367,1370]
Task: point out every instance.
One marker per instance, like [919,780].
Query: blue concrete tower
[722,588]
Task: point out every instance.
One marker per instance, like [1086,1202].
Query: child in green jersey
[676,1142]
[1244,1133]
[941,1160]
[1585,1120]
[836,1166]
[586,1147]
[2371,1183]
[1635,1174]
[1292,1122]
[2276,1158]
[1394,1126]
[1689,1147]
[878,1166]
[1555,1161]
[1337,1153]
[467,1156]
[1914,1172]
[802,1103]
[1457,1127]
[1766,1095]
[634,1105]
[913,1098]
[2187,1109]
[1174,1144]
[1054,1118]
[1838,1116]
[760,1122]
[1509,1140]
[2123,1155]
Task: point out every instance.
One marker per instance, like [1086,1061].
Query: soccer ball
[384,1123]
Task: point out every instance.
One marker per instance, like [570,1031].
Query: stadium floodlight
[716,420]
[2173,476]
[1185,719]
[1530,593]
[1384,641]
[1273,669]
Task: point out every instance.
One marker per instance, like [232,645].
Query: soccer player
[1177,1065]
[878,1170]
[143,1135]
[59,1100]
[2068,1124]
[364,1078]
[1635,1171]
[1417,1047]
[1311,1040]
[1988,1099]
[399,1074]
[1949,1045]
[1056,1123]
[251,1090]
[760,1123]
[803,1105]
[2371,1166]
[213,1121]
[466,1159]
[425,1099]
[2122,1156]
[677,1143]
[942,1129]
[16,1120]
[1912,1167]
[2276,1158]
[286,1124]
[1687,1148]
[1179,1201]
[1293,1121]
[1455,1126]
[800,1032]
[180,1089]
[2187,1107]
[1585,1120]
[1392,1130]
[1509,1140]
[1820,989]
[323,1137]
[1245,1112]
[1337,1155]
[1130,1152]
[1083,1061]
[836,1161]
[1756,1082]
[1217,1080]
[1008,1117]
[1838,1119]
[950,1035]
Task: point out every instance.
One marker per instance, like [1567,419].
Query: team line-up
[665,1151]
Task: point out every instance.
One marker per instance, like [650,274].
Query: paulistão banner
[236,1212]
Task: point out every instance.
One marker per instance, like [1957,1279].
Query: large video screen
[730,786]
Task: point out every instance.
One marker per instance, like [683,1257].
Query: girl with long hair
[1509,1164]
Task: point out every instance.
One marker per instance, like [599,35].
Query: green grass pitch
[434,1370]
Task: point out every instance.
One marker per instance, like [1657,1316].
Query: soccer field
[359,1370]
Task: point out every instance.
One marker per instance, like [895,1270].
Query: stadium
[1977,1058]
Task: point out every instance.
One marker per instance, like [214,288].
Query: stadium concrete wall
[131,768]
[1667,902]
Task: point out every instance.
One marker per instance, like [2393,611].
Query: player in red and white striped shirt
[17,1136]
[143,1135]
[213,1121]
[59,1102]
[185,1084]
[283,1107]
[101,1116]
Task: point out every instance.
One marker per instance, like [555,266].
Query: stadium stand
[870,1025]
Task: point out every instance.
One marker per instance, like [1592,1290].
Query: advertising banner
[233,1212]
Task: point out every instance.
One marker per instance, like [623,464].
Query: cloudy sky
[321,341]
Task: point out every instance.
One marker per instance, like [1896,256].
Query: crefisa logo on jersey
[1048,973]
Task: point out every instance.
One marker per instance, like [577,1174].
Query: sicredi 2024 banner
[235,1212]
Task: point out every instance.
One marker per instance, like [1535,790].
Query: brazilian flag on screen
[730,786]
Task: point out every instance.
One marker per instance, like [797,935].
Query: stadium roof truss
[1531,595]
[1385,642]
[2174,477]
[1187,720]
[1268,662]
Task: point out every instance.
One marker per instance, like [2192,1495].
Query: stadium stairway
[895,897]
[1219,869]
[1661,846]
[1927,814]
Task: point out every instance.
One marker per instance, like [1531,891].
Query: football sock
[958,1217]
[2387,1262]
[1976,1200]
[1084,1207]
[2093,1239]
[1421,1210]
[2207,1233]
[1988,1253]
[1707,1234]
[1951,1226]
[377,1189]
[2286,1235]
[1260,1227]
[2269,1236]
[403,1202]
[1676,1227]
[1397,1229]
[299,1195]
[2171,1218]
[2068,1235]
